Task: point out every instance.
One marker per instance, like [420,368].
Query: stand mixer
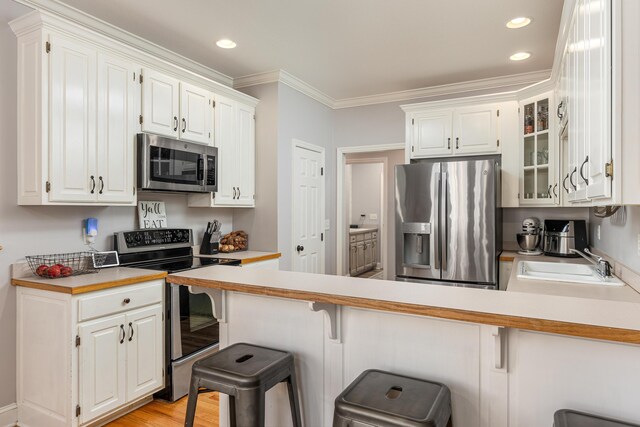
[530,238]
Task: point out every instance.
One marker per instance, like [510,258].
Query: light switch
[373,217]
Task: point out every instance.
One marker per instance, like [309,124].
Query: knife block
[207,247]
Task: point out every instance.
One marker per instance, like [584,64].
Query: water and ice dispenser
[416,236]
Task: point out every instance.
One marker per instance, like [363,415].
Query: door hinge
[134,190]
[77,340]
[413,121]
[322,237]
[163,317]
[78,410]
[498,142]
[412,148]
[321,171]
[608,169]
[518,110]
[141,78]
[141,119]
[518,196]
[498,113]
[47,47]
[47,186]
[134,76]
[162,372]
[213,103]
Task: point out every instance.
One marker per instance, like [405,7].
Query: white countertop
[574,308]
[246,257]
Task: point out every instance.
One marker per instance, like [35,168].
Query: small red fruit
[42,270]
[60,265]
[53,271]
[66,271]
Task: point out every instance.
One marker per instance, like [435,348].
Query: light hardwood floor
[166,414]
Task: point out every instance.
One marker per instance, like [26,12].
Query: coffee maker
[562,235]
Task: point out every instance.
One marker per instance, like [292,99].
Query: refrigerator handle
[444,198]
[435,234]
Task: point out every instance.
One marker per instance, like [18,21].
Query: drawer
[359,237]
[367,236]
[352,239]
[119,299]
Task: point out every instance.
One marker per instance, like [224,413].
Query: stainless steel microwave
[166,164]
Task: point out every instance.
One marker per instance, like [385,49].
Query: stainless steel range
[192,331]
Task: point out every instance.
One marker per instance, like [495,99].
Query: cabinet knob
[299,248]
[126,300]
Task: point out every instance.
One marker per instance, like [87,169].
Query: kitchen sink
[564,272]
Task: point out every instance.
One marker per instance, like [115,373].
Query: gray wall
[26,230]
[618,236]
[261,222]
[303,118]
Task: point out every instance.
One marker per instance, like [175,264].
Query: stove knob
[138,237]
[128,238]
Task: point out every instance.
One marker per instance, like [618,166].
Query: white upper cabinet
[431,134]
[160,104]
[118,98]
[235,140]
[196,114]
[434,131]
[476,130]
[73,175]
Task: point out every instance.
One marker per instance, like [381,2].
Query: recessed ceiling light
[520,56]
[226,43]
[519,22]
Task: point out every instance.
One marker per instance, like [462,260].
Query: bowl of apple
[55,266]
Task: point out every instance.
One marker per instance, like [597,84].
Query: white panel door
[225,141]
[308,209]
[72,140]
[160,103]
[145,350]
[580,119]
[432,134]
[599,60]
[196,114]
[475,130]
[245,139]
[117,111]
[102,367]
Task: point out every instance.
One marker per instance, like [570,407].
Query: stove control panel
[159,237]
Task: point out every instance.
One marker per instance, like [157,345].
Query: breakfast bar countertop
[588,317]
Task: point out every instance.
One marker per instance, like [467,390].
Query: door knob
[299,248]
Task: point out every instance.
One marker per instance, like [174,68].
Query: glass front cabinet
[538,162]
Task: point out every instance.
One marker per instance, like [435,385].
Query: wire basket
[55,266]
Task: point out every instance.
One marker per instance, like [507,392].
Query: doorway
[365,213]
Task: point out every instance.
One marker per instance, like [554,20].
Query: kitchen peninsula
[510,358]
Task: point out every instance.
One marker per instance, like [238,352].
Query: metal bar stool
[571,418]
[244,372]
[379,398]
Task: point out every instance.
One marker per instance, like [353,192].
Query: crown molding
[492,83]
[78,17]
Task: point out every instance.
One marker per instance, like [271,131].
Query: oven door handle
[176,333]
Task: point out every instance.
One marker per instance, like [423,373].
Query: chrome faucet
[603,268]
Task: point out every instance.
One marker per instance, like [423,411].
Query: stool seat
[382,398]
[244,365]
[245,372]
[571,418]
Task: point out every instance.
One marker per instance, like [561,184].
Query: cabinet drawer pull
[93,184]
[101,185]
[457,143]
[239,193]
[555,188]
[234,193]
[123,333]
[549,191]
[184,125]
[130,331]
[564,183]
[448,143]
[175,123]
[126,301]
[558,113]
[586,180]
[575,170]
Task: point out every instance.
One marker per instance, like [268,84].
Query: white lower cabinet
[83,357]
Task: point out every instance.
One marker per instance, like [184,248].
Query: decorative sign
[152,214]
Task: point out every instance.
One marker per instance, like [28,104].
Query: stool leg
[232,411]
[294,402]
[191,403]
[249,407]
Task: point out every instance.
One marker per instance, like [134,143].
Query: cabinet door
[72,141]
[580,118]
[118,103]
[144,351]
[245,155]
[360,262]
[196,114]
[102,366]
[225,113]
[431,134]
[374,252]
[368,254]
[599,105]
[160,104]
[475,130]
[353,259]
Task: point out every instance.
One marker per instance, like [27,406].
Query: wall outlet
[373,217]
[598,232]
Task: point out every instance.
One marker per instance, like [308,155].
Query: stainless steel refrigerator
[449,222]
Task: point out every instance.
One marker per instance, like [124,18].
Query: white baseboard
[9,415]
